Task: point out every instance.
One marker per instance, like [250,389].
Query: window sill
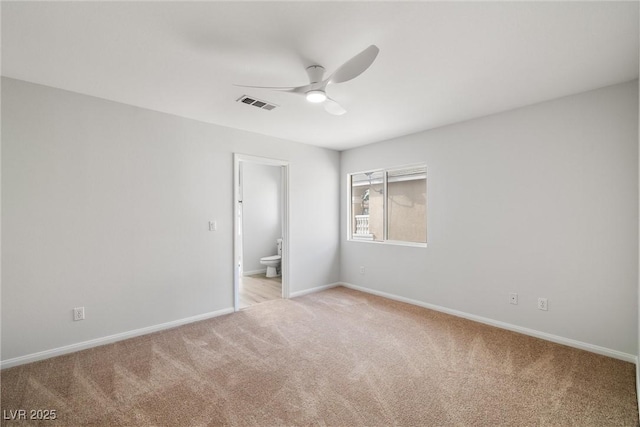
[388,242]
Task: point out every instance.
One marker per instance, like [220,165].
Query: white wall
[106,206]
[261,213]
[542,201]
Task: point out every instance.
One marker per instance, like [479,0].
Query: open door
[240,160]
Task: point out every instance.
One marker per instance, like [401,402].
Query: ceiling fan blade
[296,89]
[355,66]
[332,107]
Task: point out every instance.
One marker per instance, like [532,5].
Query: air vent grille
[264,105]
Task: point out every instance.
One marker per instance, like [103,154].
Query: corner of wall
[638,271]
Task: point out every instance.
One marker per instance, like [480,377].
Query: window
[389,205]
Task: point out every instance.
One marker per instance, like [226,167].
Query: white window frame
[385,240]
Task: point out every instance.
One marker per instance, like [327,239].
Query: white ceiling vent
[249,100]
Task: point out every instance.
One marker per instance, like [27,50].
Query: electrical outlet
[361,269]
[542,304]
[78,313]
[513,298]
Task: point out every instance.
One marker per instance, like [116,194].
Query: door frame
[237,237]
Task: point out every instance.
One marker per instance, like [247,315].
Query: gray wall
[542,201]
[106,206]
[261,213]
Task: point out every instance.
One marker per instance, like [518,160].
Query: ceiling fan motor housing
[315,73]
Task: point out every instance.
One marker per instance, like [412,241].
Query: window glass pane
[367,206]
[407,205]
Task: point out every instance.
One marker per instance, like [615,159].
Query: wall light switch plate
[213,225]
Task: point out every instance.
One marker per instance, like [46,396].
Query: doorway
[261,230]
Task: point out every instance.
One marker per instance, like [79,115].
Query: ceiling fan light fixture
[316,96]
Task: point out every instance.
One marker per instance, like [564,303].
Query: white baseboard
[252,272]
[503,325]
[34,357]
[316,289]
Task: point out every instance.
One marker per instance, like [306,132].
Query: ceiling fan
[315,91]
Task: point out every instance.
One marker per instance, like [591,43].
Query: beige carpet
[338,358]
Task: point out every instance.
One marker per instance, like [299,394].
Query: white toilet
[273,262]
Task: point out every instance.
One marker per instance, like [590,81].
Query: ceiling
[439,62]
